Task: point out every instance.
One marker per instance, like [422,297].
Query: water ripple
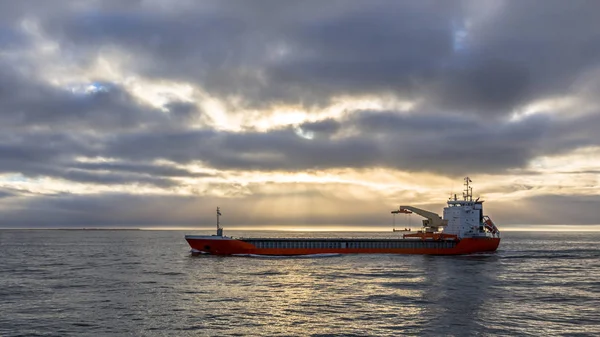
[144,283]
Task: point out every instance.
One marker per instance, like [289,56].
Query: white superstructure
[465,217]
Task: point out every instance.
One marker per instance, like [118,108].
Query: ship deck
[247,239]
[347,243]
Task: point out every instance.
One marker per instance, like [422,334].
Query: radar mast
[468,192]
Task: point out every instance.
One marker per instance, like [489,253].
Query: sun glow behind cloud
[552,106]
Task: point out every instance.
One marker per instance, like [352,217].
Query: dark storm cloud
[23,151]
[487,87]
[306,52]
[182,111]
[155,170]
[29,103]
[452,145]
[557,41]
[10,37]
[36,155]
[301,53]
[5,193]
[112,178]
[275,150]
[325,127]
[358,50]
[44,128]
[52,156]
[61,170]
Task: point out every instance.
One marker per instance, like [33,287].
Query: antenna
[468,192]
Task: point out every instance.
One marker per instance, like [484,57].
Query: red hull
[216,245]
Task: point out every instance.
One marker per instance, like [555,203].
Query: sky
[303,114]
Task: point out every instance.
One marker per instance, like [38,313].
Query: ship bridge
[465,217]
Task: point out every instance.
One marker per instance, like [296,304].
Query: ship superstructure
[463,229]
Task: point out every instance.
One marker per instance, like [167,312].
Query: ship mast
[219,229]
[468,192]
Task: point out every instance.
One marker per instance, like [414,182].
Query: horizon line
[532,228]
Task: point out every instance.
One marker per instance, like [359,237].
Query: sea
[146,283]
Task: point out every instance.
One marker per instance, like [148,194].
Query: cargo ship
[463,229]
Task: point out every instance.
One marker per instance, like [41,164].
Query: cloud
[29,103]
[488,86]
[52,155]
[325,127]
[109,123]
[382,139]
[379,139]
[311,209]
[549,209]
[45,128]
[492,86]
[150,169]
[7,193]
[309,53]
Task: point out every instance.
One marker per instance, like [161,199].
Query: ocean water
[145,283]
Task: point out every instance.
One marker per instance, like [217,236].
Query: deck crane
[432,221]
